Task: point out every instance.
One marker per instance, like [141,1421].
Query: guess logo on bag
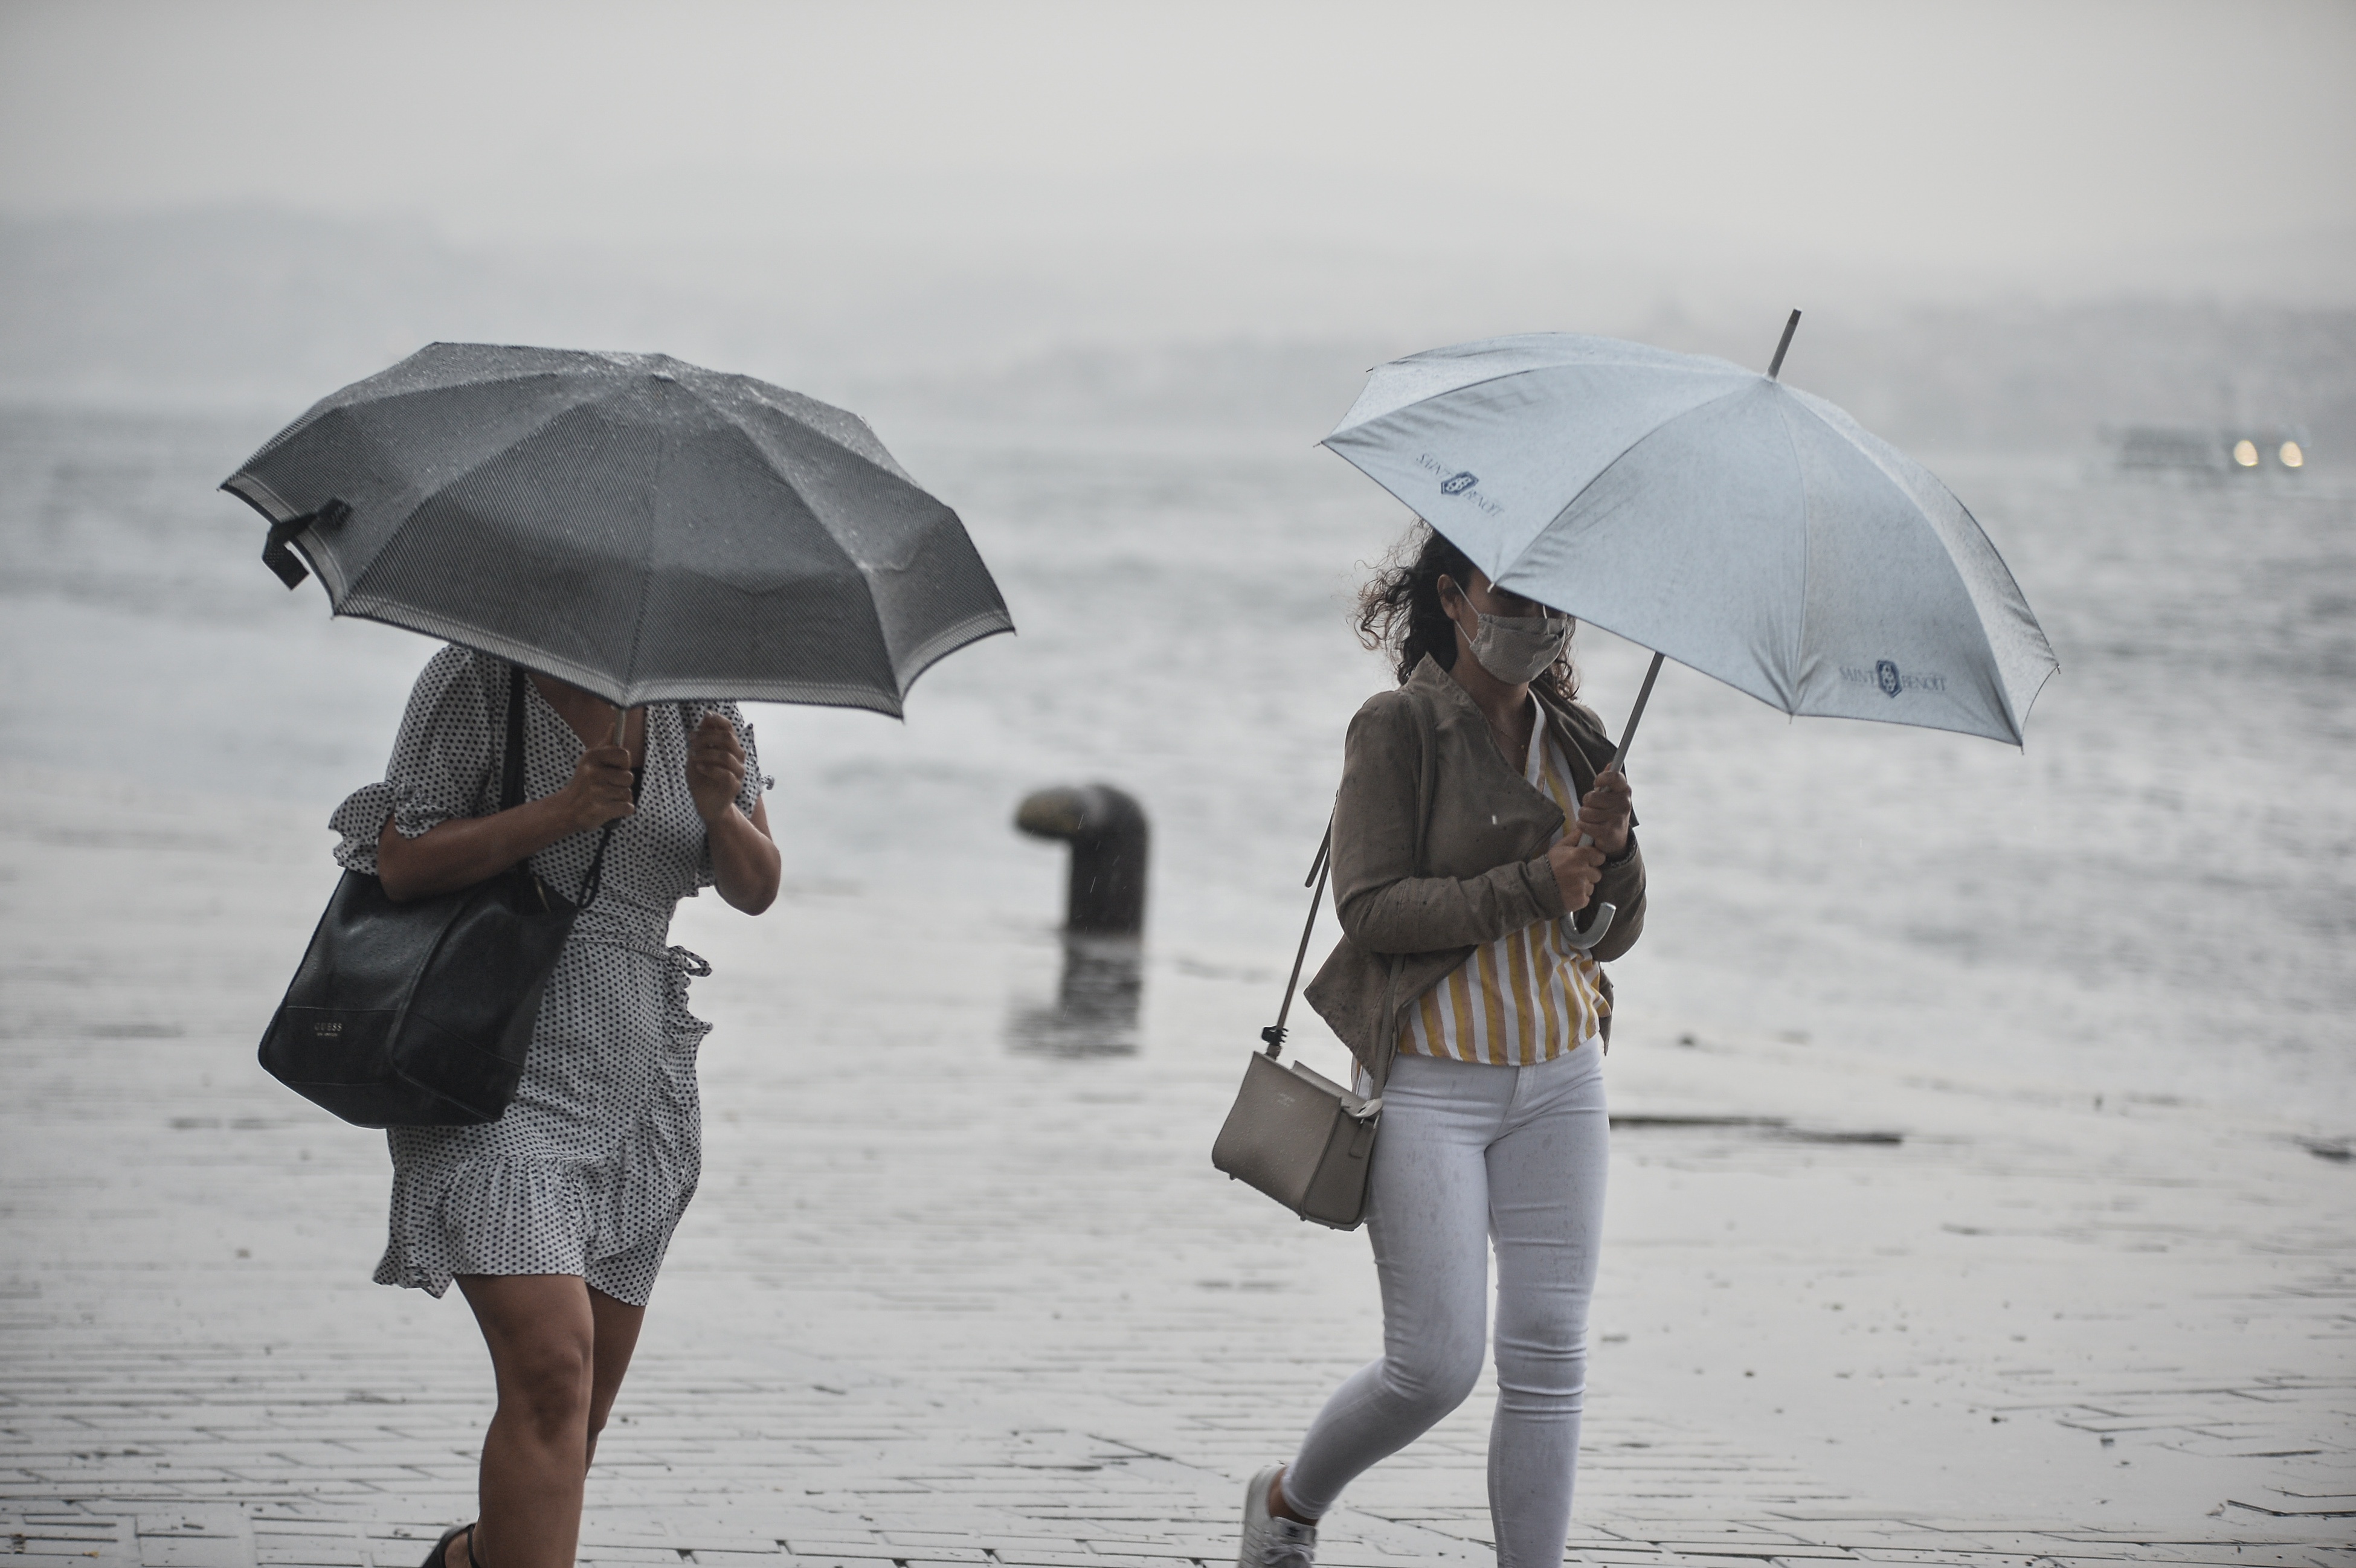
[327,1028]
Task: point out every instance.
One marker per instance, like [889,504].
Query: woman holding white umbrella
[1465,960]
[1722,518]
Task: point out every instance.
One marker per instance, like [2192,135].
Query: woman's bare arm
[746,866]
[462,852]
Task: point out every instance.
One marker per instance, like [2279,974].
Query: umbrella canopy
[643,527]
[1741,527]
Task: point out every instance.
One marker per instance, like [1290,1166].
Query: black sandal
[441,1554]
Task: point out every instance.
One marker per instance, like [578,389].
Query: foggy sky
[2016,140]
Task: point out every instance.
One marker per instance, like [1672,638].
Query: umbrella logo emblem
[1885,675]
[1459,482]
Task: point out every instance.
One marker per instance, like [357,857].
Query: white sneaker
[1271,1541]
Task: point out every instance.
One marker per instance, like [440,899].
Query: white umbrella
[1713,515]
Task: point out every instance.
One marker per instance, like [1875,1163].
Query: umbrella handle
[1584,940]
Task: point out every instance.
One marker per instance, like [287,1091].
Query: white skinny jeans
[1468,1154]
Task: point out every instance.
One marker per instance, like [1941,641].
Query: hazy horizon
[2008,223]
[2093,149]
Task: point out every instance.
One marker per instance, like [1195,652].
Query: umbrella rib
[645,565]
[1807,554]
[902,481]
[2052,668]
[751,435]
[940,644]
[1979,622]
[934,648]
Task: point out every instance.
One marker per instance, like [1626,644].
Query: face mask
[1516,648]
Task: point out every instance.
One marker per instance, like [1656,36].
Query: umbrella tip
[1791,326]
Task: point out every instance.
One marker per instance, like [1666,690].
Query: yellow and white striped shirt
[1528,997]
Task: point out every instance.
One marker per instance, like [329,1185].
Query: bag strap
[511,760]
[1274,1033]
[1318,869]
[593,879]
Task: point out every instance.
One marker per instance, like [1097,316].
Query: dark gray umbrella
[643,527]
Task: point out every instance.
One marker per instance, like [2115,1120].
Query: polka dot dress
[593,1163]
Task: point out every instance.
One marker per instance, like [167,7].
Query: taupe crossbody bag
[1296,1134]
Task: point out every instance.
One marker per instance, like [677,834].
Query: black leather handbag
[420,1014]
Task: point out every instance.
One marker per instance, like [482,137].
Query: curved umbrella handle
[1584,940]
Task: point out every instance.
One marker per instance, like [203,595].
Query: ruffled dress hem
[516,1217]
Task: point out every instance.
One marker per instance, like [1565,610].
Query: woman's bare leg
[617,1324]
[542,1330]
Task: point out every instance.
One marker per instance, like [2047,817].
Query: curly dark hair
[1399,612]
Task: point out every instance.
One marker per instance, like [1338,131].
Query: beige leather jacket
[1483,870]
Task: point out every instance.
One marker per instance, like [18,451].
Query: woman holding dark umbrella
[655,532]
[553,1220]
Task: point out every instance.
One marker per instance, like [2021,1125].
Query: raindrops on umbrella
[643,527]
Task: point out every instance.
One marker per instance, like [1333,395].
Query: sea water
[2156,897]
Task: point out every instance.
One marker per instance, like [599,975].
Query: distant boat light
[2292,457]
[2246,452]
